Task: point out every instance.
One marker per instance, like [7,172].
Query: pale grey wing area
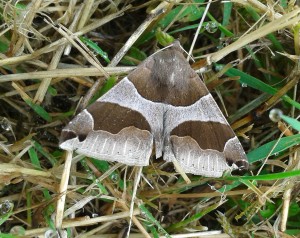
[193,159]
[200,139]
[130,146]
[120,126]
[129,97]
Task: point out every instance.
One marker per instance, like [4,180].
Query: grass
[56,58]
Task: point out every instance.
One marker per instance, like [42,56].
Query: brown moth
[162,105]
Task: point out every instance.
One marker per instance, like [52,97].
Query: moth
[162,107]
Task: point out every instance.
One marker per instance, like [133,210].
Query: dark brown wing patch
[113,118]
[209,135]
[170,79]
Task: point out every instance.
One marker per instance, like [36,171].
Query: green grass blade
[272,176]
[273,147]
[292,122]
[34,157]
[39,110]
[47,155]
[187,13]
[195,217]
[271,37]
[95,48]
[258,84]
[152,220]
[101,187]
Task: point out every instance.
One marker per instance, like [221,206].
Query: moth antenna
[166,47]
[135,186]
[188,54]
